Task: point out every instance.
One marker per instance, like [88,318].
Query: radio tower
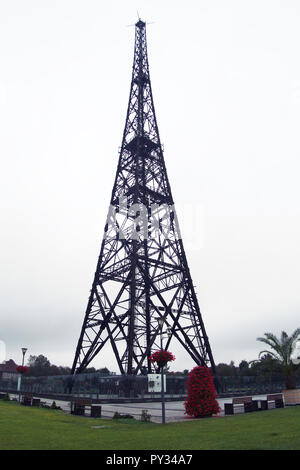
[142,272]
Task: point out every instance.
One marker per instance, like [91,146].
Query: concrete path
[174,410]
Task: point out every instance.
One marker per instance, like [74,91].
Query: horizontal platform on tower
[141,143]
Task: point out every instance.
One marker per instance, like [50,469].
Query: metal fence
[136,387]
[252,385]
[95,385]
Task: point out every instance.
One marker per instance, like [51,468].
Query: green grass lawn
[38,428]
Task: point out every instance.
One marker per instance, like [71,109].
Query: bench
[275,398]
[27,399]
[96,411]
[36,402]
[78,405]
[246,403]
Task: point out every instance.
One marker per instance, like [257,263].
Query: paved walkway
[174,410]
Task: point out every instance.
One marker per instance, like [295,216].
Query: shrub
[122,416]
[54,406]
[145,416]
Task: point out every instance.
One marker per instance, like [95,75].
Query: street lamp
[161,321]
[20,378]
[23,352]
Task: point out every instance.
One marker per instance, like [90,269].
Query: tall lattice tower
[142,272]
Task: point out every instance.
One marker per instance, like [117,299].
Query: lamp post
[161,321]
[20,378]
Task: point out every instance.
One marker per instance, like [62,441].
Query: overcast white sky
[226,84]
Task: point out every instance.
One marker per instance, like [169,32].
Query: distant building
[8,370]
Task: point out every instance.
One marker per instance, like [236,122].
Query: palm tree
[283,348]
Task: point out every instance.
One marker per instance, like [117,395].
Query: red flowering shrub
[161,357]
[22,369]
[201,394]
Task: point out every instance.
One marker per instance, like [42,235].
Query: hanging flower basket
[161,358]
[22,369]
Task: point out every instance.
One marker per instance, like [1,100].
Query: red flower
[161,357]
[22,369]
